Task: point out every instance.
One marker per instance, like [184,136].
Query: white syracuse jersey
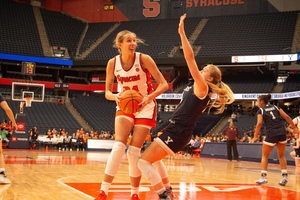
[135,78]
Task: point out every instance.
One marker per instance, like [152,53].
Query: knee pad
[149,172]
[115,159]
[161,169]
[133,154]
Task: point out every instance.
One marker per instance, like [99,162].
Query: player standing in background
[195,100]
[271,115]
[296,153]
[133,70]
[9,113]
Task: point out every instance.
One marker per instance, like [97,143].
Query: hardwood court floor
[54,175]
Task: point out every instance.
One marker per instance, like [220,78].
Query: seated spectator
[196,145]
[3,135]
[80,145]
[33,138]
[233,117]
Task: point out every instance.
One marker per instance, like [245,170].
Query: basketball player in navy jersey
[9,113]
[132,70]
[271,115]
[195,100]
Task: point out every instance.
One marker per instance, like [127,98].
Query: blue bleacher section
[270,33]
[19,33]
[246,82]
[263,34]
[292,83]
[45,116]
[96,110]
[62,30]
[206,122]
[94,32]
[159,41]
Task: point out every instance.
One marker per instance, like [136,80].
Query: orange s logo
[152,9]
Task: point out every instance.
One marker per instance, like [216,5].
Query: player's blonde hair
[120,37]
[223,91]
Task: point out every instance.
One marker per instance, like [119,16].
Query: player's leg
[266,151]
[123,126]
[293,154]
[3,178]
[151,155]
[133,154]
[162,170]
[281,146]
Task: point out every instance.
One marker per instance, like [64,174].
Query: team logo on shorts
[168,140]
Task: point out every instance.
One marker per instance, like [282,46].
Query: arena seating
[96,110]
[19,33]
[46,116]
[221,36]
[292,83]
[243,82]
[261,34]
[94,32]
[62,30]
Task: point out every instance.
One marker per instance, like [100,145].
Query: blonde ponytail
[224,96]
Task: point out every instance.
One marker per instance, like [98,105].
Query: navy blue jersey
[190,107]
[272,120]
[1,98]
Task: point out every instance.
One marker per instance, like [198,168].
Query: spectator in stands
[296,146]
[60,140]
[125,67]
[3,135]
[33,138]
[231,133]
[233,117]
[295,154]
[271,115]
[195,145]
[9,113]
[195,100]
[67,141]
[186,149]
[80,144]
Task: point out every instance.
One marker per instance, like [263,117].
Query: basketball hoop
[28,101]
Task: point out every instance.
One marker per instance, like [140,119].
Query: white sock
[105,186]
[134,190]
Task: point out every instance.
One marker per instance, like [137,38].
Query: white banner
[264,58]
[245,96]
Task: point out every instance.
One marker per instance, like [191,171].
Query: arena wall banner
[245,96]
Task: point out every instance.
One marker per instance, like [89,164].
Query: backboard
[22,90]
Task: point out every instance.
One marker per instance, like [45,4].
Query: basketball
[130,100]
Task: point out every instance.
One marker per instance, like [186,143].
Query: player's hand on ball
[118,97]
[145,101]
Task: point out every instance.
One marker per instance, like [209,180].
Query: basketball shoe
[170,193]
[134,197]
[4,179]
[165,196]
[101,195]
[262,179]
[284,180]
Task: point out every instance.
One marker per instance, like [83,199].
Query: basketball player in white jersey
[132,70]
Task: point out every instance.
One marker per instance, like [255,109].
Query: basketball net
[28,101]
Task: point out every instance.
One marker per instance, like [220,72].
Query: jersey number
[273,116]
[135,87]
